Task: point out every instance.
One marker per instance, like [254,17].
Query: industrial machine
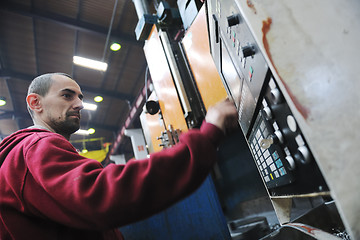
[291,171]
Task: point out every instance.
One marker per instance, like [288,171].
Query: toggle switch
[267,113]
[291,162]
[303,155]
[276,96]
[279,136]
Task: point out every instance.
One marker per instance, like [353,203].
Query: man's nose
[78,105]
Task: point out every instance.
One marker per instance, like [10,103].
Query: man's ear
[34,103]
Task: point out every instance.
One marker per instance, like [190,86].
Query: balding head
[54,102]
[41,85]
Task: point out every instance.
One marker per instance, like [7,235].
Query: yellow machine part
[207,78]
[163,83]
[98,155]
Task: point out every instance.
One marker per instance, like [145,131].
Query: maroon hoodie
[49,191]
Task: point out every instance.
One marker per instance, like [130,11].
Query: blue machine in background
[197,217]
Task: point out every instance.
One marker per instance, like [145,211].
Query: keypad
[267,160]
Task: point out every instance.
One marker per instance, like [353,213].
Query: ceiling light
[2,101]
[82,132]
[91,131]
[89,106]
[89,63]
[115,46]
[98,99]
[85,132]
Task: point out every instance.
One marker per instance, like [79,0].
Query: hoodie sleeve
[78,192]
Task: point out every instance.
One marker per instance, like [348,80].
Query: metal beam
[107,93]
[35,40]
[66,21]
[78,15]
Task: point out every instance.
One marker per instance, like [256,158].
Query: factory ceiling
[41,36]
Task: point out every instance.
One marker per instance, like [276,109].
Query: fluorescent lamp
[89,106]
[85,132]
[82,132]
[89,63]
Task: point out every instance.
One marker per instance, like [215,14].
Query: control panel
[279,148]
[239,59]
[242,65]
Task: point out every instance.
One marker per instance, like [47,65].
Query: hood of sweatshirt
[8,143]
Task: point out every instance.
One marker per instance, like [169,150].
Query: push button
[248,51]
[233,20]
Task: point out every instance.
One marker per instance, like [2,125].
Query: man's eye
[67,95]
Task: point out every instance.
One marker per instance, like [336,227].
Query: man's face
[62,105]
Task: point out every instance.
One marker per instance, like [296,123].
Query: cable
[146,82]
[108,34]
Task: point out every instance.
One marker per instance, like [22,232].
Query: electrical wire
[109,32]
[146,83]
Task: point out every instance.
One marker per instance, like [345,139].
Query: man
[49,191]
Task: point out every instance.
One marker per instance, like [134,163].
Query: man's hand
[223,115]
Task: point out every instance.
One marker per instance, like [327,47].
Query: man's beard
[67,126]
